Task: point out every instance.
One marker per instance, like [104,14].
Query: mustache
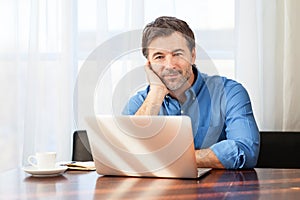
[170,72]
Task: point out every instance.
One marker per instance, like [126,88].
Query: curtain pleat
[267,58]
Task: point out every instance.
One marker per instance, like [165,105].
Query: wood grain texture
[219,184]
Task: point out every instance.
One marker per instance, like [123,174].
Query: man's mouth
[171,75]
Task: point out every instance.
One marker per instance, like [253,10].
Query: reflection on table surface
[218,184]
[213,185]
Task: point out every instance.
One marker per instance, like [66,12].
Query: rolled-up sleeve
[241,147]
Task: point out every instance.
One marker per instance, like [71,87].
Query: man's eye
[177,54]
[158,57]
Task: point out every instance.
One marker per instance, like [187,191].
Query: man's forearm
[207,158]
[153,101]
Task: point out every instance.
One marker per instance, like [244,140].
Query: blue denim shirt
[221,115]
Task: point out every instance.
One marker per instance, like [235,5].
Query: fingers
[148,63]
[153,78]
[148,66]
[151,75]
[149,71]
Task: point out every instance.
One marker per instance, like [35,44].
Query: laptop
[143,146]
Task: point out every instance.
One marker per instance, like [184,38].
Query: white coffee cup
[43,160]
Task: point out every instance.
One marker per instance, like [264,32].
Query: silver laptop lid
[148,146]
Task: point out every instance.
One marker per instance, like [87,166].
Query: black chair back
[81,147]
[279,149]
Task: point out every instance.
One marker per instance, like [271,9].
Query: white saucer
[58,170]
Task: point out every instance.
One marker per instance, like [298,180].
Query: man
[225,131]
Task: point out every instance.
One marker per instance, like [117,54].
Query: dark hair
[165,26]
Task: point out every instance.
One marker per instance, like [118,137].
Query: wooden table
[219,184]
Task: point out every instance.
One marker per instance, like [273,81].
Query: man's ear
[193,55]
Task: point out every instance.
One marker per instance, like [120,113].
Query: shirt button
[194,98]
[182,112]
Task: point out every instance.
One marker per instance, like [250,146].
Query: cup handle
[30,159]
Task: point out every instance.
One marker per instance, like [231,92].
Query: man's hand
[151,76]
[156,95]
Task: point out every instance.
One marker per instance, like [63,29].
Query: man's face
[171,60]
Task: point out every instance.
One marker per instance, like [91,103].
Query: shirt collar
[197,85]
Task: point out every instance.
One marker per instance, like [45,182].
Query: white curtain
[38,71]
[267,60]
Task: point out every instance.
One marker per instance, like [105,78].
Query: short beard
[179,83]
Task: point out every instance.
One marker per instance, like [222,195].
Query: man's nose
[169,62]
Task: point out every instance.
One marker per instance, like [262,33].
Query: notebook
[143,146]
